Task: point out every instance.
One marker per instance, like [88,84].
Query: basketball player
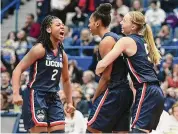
[42,108]
[149,101]
[113,97]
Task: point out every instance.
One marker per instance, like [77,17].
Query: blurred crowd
[161,15]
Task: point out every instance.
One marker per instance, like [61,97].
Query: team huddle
[113,105]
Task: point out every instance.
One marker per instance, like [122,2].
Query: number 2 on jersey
[55,71]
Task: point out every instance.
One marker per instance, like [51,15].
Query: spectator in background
[8,57]
[22,44]
[164,72]
[166,69]
[117,28]
[31,28]
[174,119]
[88,81]
[58,8]
[5,83]
[170,99]
[28,23]
[9,60]
[79,18]
[175,111]
[75,72]
[85,40]
[4,102]
[75,122]
[169,60]
[42,9]
[155,16]
[173,80]
[136,6]
[120,8]
[24,80]
[172,20]
[6,90]
[164,36]
[169,5]
[68,41]
[168,124]
[80,101]
[9,43]
[163,125]
[87,6]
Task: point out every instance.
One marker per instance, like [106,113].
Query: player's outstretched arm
[67,84]
[35,53]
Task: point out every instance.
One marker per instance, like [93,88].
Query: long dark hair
[44,37]
[103,13]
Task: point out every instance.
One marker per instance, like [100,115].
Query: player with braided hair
[42,109]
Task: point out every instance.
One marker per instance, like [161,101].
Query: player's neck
[55,42]
[103,31]
[133,32]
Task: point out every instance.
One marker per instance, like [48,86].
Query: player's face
[126,24]
[57,29]
[92,25]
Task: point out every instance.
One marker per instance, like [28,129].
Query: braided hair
[44,37]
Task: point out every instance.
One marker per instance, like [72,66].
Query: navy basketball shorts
[111,110]
[148,106]
[42,109]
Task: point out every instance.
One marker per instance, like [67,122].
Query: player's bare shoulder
[38,50]
[127,40]
[107,41]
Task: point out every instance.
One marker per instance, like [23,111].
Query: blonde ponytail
[139,19]
[154,54]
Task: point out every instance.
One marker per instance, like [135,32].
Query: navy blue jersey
[140,68]
[119,69]
[45,73]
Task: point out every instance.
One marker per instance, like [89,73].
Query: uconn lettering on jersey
[53,63]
